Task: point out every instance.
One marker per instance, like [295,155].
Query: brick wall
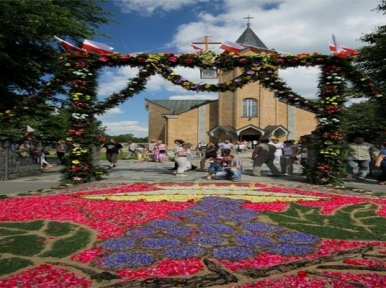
[157,123]
[305,122]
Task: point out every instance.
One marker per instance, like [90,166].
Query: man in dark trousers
[264,153]
[112,150]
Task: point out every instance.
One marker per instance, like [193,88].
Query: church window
[249,107]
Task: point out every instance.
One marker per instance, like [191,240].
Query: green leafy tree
[365,118]
[28,51]
[373,56]
[129,137]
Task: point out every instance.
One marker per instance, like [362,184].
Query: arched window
[249,107]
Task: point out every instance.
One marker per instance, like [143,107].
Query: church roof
[177,107]
[249,38]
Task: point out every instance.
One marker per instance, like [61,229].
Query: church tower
[249,113]
[253,112]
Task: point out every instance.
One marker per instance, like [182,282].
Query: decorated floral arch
[79,70]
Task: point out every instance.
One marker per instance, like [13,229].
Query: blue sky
[290,26]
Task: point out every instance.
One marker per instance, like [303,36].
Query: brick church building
[250,113]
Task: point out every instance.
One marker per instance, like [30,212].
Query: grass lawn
[52,156]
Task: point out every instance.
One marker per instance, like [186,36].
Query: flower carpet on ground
[189,235]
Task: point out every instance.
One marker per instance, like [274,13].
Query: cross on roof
[206,42]
[248,17]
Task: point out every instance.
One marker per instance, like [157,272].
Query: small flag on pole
[231,47]
[97,47]
[67,45]
[198,49]
[335,47]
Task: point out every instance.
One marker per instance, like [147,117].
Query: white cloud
[294,26]
[114,80]
[148,7]
[302,80]
[113,111]
[211,96]
[126,127]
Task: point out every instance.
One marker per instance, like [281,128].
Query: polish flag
[198,49]
[231,47]
[335,47]
[343,48]
[97,47]
[67,45]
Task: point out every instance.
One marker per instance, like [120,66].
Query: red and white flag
[335,47]
[67,45]
[29,129]
[198,49]
[231,47]
[97,47]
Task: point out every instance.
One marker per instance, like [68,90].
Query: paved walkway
[128,171]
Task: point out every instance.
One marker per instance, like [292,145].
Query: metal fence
[19,158]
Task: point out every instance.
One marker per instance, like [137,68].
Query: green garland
[79,71]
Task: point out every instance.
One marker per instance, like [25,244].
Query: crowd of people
[220,161]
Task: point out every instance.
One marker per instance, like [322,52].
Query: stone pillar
[201,123]
[291,127]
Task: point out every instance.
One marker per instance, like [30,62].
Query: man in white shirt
[226,148]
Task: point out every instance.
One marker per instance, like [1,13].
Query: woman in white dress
[279,150]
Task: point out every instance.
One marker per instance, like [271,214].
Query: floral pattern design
[143,239]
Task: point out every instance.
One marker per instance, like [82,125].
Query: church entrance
[249,137]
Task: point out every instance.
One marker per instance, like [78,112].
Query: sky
[288,26]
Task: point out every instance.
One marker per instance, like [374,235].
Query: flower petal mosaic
[252,235]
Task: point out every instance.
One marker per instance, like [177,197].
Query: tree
[372,58]
[28,51]
[365,119]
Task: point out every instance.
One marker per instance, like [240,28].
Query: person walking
[159,152]
[226,148]
[61,152]
[150,151]
[43,160]
[380,162]
[279,150]
[264,153]
[290,151]
[112,150]
[359,156]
